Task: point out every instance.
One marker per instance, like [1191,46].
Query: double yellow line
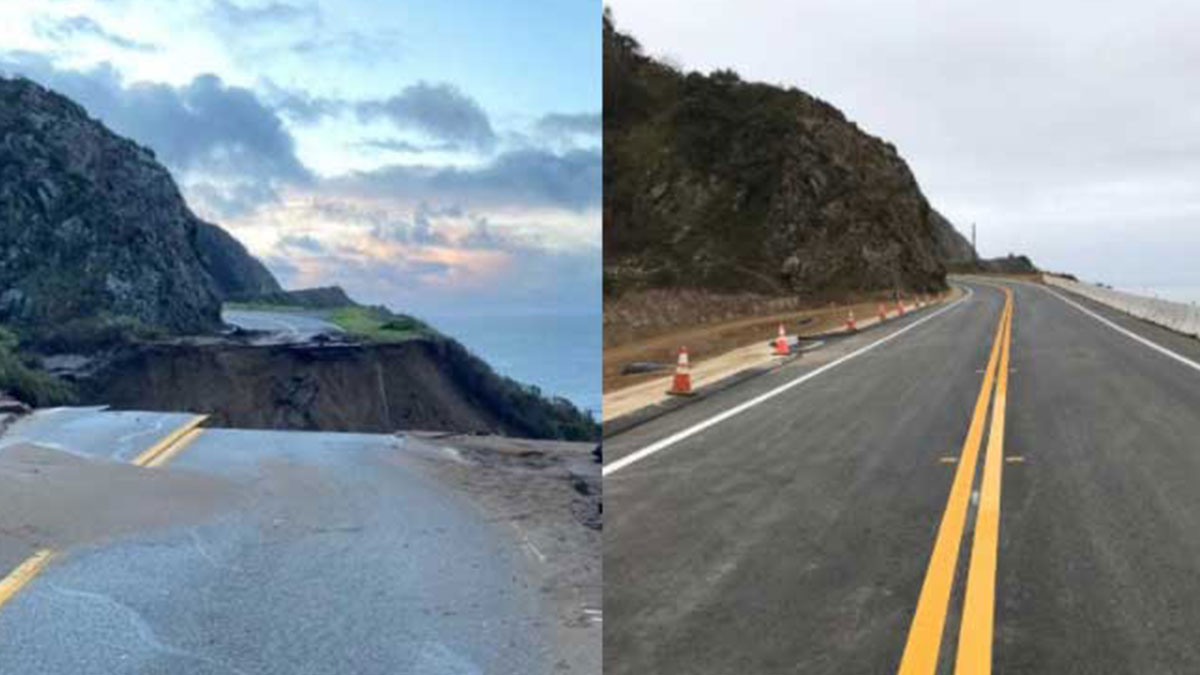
[974,655]
[156,455]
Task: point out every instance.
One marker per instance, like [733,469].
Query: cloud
[65,30]
[567,124]
[434,259]
[220,137]
[400,145]
[351,45]
[229,200]
[526,178]
[299,105]
[439,110]
[304,243]
[271,13]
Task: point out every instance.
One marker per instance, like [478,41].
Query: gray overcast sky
[1068,130]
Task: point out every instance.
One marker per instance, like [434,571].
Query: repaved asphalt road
[279,552]
[796,535]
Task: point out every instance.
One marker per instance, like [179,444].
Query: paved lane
[292,326]
[795,536]
[1100,540]
[282,552]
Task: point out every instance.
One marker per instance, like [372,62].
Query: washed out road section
[299,553]
[296,326]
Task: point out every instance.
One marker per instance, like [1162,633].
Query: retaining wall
[1178,316]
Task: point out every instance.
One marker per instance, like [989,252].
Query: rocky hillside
[716,183]
[93,229]
[950,244]
[234,271]
[323,297]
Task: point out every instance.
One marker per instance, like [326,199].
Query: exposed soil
[550,494]
[51,497]
[327,386]
[713,338]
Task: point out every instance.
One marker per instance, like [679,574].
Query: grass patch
[376,324]
[27,383]
[379,325]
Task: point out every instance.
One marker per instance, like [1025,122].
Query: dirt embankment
[650,326]
[550,495]
[419,384]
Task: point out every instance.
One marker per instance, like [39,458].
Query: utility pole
[974,249]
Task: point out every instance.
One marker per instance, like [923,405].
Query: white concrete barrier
[1178,316]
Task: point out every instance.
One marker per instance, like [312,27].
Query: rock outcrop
[952,247]
[234,271]
[716,183]
[93,230]
[322,297]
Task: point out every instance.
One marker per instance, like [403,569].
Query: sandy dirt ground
[709,340]
[718,351]
[50,499]
[550,494]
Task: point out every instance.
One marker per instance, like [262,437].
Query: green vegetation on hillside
[380,325]
[519,405]
[322,297]
[26,383]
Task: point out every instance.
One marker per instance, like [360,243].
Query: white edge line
[664,443]
[1124,331]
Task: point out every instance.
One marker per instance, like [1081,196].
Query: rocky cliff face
[234,271]
[93,229]
[716,183]
[952,247]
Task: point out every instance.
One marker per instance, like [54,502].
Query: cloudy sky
[1068,130]
[440,158]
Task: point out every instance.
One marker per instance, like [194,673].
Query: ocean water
[559,354]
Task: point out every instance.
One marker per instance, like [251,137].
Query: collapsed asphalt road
[227,551]
[287,326]
[797,534]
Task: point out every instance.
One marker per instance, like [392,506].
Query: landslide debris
[431,383]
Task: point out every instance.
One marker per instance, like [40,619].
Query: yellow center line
[167,441]
[23,574]
[156,455]
[979,606]
[174,449]
[928,623]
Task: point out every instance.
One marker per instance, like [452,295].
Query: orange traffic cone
[781,343]
[850,327]
[899,307]
[882,313]
[682,386]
